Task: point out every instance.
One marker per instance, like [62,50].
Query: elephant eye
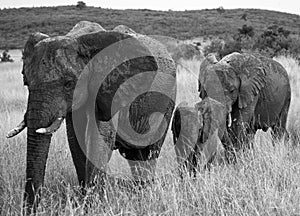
[69,84]
[232,89]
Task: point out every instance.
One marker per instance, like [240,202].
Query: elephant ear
[92,52]
[29,49]
[204,108]
[214,117]
[214,124]
[252,75]
[187,124]
[204,69]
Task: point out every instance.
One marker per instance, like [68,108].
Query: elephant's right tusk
[52,128]
[16,130]
[229,120]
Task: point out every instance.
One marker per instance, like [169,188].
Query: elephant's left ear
[252,76]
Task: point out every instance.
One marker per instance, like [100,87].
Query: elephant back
[84,27]
[124,29]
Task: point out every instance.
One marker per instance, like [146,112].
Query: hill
[17,24]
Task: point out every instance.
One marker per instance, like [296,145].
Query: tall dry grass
[264,181]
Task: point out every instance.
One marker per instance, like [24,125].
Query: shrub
[246,31]
[81,5]
[294,49]
[215,46]
[244,17]
[220,10]
[274,41]
[222,48]
[5,57]
[230,46]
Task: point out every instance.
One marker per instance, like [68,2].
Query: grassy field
[17,24]
[264,181]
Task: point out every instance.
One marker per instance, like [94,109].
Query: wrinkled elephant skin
[255,90]
[64,73]
[197,133]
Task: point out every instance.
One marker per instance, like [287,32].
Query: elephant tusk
[52,128]
[229,120]
[16,130]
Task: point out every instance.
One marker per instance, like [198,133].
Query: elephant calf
[197,133]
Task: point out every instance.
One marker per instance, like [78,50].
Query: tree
[274,41]
[81,5]
[5,57]
[246,31]
[220,10]
[244,17]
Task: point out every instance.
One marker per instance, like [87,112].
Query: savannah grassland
[264,181]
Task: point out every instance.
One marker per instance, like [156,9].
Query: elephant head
[197,132]
[236,80]
[61,72]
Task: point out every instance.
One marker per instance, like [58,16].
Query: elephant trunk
[37,153]
[39,114]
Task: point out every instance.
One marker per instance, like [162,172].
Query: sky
[289,6]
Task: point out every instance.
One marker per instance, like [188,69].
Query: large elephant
[256,91]
[115,90]
[197,133]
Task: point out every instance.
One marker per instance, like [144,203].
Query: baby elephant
[197,133]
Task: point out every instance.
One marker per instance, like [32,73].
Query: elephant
[116,91]
[256,92]
[197,133]
[124,29]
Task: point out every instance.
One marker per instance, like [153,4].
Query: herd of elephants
[116,89]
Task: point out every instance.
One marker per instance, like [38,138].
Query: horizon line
[165,10]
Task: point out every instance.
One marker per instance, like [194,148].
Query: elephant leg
[279,129]
[243,126]
[100,138]
[238,137]
[76,143]
[230,151]
[247,136]
[186,128]
[186,159]
[212,150]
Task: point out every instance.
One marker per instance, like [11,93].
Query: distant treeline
[273,41]
[17,24]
